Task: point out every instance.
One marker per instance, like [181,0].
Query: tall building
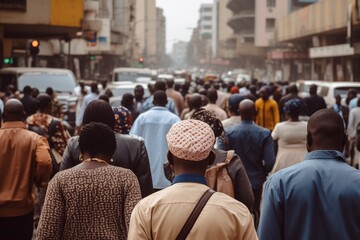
[145,41]
[221,31]
[328,31]
[161,37]
[179,53]
[205,25]
[90,37]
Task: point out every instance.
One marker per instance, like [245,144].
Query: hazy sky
[181,17]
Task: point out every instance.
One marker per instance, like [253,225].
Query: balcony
[237,5]
[244,21]
[249,49]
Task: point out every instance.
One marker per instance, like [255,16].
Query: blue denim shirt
[318,198]
[255,147]
[153,126]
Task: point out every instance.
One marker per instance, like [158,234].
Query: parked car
[328,90]
[62,81]
[126,75]
[304,86]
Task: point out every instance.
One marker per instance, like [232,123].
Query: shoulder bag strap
[229,156]
[194,215]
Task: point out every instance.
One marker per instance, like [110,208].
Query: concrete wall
[324,16]
[145,29]
[264,38]
[37,12]
[203,22]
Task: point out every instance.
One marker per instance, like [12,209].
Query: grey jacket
[130,153]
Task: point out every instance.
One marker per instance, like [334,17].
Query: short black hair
[104,97]
[127,100]
[170,83]
[43,101]
[160,98]
[50,91]
[27,89]
[160,85]
[99,111]
[212,95]
[97,139]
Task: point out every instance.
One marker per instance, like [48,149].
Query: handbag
[194,215]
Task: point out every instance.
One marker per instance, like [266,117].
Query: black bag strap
[194,215]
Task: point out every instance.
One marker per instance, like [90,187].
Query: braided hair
[97,139]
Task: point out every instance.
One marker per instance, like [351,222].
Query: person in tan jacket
[163,214]
[24,162]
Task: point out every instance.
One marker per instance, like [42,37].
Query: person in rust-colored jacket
[24,162]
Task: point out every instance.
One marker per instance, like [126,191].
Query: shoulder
[222,201]
[131,139]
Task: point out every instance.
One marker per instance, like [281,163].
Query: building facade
[329,32]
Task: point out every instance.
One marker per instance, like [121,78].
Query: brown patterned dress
[89,204]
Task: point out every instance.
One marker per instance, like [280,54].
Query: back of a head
[97,139]
[170,83]
[294,107]
[191,143]
[212,95]
[104,97]
[234,101]
[127,100]
[27,90]
[94,88]
[293,89]
[13,111]
[195,101]
[123,119]
[160,98]
[99,111]
[247,110]
[209,118]
[43,102]
[313,89]
[326,131]
[49,91]
[160,86]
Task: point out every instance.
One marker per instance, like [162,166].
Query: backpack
[48,134]
[218,177]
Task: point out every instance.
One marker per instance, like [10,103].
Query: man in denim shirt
[319,197]
[255,147]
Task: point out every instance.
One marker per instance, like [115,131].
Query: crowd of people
[292,164]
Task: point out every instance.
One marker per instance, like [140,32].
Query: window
[270,24]
[271,3]
[207,27]
[207,9]
[207,18]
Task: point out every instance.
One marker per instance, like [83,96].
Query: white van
[126,75]
[62,81]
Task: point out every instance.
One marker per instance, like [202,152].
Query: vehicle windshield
[130,76]
[342,91]
[118,92]
[60,82]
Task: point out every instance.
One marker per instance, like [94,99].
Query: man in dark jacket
[314,102]
[130,151]
[28,101]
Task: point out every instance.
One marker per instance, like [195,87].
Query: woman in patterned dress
[92,200]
